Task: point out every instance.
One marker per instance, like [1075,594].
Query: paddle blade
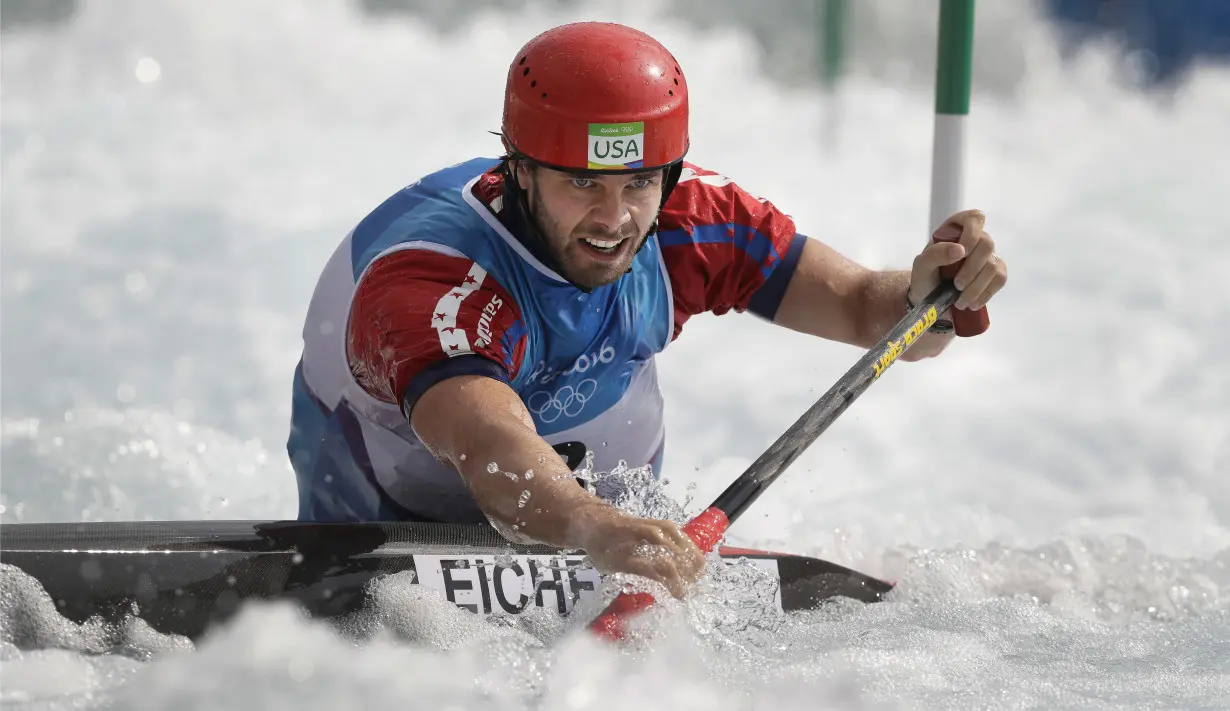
[705,531]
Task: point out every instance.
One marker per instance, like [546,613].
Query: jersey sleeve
[420,316]
[724,248]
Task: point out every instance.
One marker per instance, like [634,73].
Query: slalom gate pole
[954,69]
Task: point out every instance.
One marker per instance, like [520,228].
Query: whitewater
[1051,497]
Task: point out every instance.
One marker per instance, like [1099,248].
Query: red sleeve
[419,314]
[724,248]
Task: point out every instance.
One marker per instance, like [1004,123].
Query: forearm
[882,304]
[519,481]
[532,491]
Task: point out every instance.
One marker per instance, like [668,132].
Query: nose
[610,211]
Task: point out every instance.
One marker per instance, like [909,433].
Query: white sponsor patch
[484,321]
[508,585]
[444,319]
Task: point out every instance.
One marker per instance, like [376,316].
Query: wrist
[941,326]
[586,521]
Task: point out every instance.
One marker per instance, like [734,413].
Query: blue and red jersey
[438,281]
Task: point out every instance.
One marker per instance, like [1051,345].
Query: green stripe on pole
[834,33]
[956,61]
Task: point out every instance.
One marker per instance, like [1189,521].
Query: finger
[962,216]
[693,556]
[988,283]
[690,559]
[972,224]
[668,574]
[974,289]
[673,577]
[937,255]
[659,566]
[978,258]
[681,541]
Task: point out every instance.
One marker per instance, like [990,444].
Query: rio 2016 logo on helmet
[596,96]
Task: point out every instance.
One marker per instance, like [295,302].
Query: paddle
[709,526]
[953,71]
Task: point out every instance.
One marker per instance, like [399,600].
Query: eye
[641,183]
[582,183]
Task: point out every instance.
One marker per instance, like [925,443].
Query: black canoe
[185,576]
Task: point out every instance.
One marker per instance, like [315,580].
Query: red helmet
[596,96]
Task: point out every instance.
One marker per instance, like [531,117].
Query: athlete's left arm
[726,249]
[834,297]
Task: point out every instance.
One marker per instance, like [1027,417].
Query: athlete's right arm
[438,335]
[476,422]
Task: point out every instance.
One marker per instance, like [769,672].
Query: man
[497,317]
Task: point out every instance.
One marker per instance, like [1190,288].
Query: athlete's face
[593,224]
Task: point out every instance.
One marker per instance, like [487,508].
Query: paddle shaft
[708,528]
[782,453]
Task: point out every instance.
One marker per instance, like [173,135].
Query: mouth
[603,249]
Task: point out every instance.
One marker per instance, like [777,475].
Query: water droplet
[492,467]
[525,498]
[225,502]
[297,558]
[147,70]
[135,283]
[463,457]
[529,474]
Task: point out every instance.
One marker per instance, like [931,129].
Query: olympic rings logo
[568,400]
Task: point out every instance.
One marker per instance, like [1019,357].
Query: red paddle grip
[705,531]
[964,323]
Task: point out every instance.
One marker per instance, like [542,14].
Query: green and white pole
[953,72]
[832,19]
[833,42]
[954,68]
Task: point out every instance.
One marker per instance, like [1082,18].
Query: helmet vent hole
[544,94]
[676,68]
[671,92]
[523,62]
[525,72]
[533,83]
[676,82]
